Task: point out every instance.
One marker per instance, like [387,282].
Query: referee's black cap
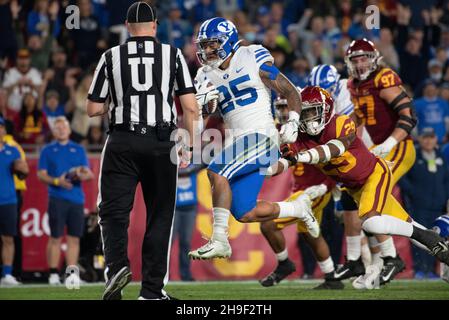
[141,12]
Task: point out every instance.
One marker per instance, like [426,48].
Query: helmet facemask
[281,110]
[204,54]
[313,117]
[332,89]
[362,68]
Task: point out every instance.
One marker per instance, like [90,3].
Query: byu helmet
[221,31]
[325,76]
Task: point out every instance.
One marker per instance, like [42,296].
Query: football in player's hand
[211,106]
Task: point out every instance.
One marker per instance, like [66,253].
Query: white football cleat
[303,211]
[316,191]
[54,280]
[9,281]
[212,249]
[370,280]
[311,224]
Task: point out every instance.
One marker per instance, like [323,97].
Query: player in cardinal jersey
[241,78]
[330,143]
[385,109]
[327,77]
[307,179]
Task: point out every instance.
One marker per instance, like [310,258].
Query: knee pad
[374,225]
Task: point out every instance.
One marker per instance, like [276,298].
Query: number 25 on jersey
[236,93]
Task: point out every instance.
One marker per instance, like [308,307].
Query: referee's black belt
[161,130]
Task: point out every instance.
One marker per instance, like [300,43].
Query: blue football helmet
[221,31]
[325,76]
[441,225]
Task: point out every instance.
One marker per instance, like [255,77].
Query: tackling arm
[323,153]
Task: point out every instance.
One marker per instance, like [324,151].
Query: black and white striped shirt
[139,78]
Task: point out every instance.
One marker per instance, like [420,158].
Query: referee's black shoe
[351,268]
[114,286]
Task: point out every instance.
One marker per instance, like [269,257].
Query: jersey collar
[141,38]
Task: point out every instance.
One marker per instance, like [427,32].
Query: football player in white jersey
[241,79]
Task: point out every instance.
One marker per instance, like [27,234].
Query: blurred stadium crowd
[46,68]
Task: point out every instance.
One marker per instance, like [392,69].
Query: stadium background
[66,66]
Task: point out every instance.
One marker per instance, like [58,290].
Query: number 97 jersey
[378,117]
[245,101]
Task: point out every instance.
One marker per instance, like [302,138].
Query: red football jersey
[378,117]
[352,168]
[307,175]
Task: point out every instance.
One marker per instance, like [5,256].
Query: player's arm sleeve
[391,91]
[99,89]
[345,134]
[183,80]
[387,78]
[262,55]
[344,126]
[339,137]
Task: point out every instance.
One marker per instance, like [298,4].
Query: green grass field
[237,290]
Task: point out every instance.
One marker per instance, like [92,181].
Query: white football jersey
[342,98]
[245,101]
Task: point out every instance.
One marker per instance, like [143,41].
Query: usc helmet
[362,69]
[317,110]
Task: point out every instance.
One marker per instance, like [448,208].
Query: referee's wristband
[56,182]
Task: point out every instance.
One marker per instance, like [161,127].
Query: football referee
[134,83]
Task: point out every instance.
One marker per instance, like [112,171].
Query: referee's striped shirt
[138,79]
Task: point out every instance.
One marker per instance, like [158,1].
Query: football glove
[289,130]
[288,154]
[205,94]
[382,150]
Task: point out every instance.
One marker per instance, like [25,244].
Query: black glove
[288,154]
